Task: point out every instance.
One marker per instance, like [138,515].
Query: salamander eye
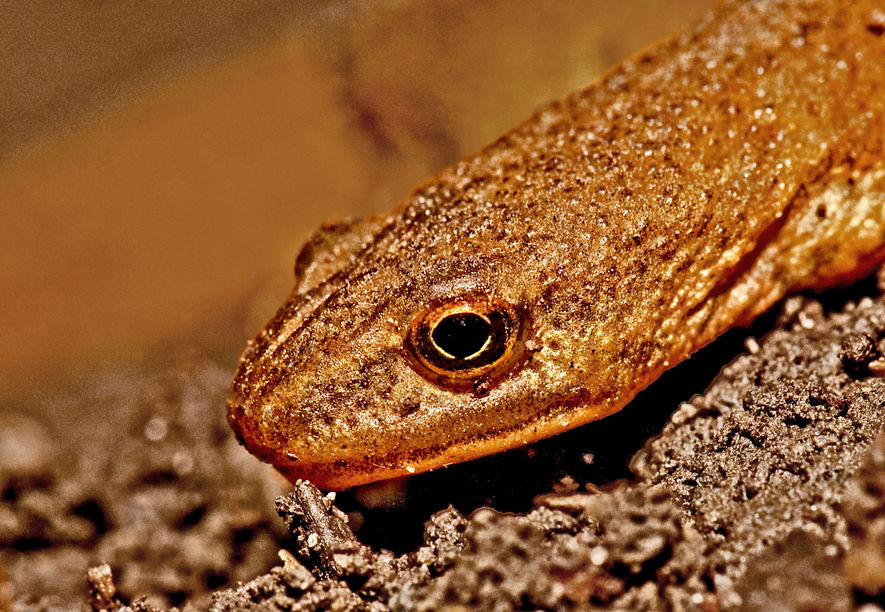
[461,335]
[465,343]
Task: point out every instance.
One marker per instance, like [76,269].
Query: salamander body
[542,282]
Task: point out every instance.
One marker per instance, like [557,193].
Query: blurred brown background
[161,162]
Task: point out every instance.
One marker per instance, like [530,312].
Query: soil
[765,492]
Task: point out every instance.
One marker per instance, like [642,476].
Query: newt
[542,282]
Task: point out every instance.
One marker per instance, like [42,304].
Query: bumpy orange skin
[632,222]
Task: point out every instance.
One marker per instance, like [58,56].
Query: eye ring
[466,343]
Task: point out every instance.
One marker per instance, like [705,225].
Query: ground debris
[739,504]
[763,493]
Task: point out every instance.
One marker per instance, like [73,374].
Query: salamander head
[407,344]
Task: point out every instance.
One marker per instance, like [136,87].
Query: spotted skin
[629,224]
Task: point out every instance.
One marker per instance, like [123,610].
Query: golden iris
[464,341]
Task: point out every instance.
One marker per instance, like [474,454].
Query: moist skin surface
[602,241]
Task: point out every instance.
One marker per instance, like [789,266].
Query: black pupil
[461,335]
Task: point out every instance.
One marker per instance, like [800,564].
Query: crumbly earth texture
[767,492]
[157,489]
